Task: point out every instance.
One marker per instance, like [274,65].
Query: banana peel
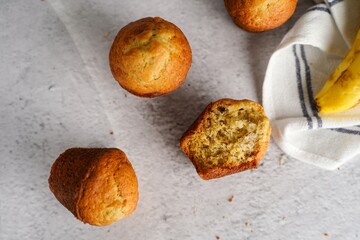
[342,90]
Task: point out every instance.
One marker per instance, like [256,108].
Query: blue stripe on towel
[332,3]
[309,87]
[300,89]
[345,130]
[318,8]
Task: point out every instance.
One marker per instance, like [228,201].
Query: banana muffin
[228,137]
[98,185]
[150,57]
[260,15]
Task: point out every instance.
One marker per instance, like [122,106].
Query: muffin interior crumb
[231,135]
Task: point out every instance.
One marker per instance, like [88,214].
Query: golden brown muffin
[228,137]
[150,57]
[98,185]
[260,15]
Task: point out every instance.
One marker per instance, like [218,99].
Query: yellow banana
[342,90]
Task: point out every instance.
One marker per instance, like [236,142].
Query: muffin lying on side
[260,15]
[150,57]
[228,137]
[98,185]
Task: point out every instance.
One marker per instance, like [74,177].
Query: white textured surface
[57,92]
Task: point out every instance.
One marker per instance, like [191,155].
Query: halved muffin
[228,137]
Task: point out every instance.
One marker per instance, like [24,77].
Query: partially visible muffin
[260,15]
[150,57]
[98,185]
[228,137]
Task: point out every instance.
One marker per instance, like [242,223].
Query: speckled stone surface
[57,92]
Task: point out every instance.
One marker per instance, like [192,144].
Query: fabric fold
[297,70]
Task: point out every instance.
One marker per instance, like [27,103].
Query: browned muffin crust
[223,167]
[150,57]
[98,185]
[260,15]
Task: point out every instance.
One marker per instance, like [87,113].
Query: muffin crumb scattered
[247,224]
[282,159]
[106,35]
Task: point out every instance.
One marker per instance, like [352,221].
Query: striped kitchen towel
[297,70]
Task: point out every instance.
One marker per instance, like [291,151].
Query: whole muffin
[260,15]
[98,185]
[150,57]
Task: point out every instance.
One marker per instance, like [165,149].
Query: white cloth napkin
[297,70]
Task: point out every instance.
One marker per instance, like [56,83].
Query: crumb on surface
[217,237]
[231,199]
[282,159]
[326,234]
[111,132]
[106,34]
[247,224]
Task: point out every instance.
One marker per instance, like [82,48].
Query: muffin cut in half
[98,185]
[228,137]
